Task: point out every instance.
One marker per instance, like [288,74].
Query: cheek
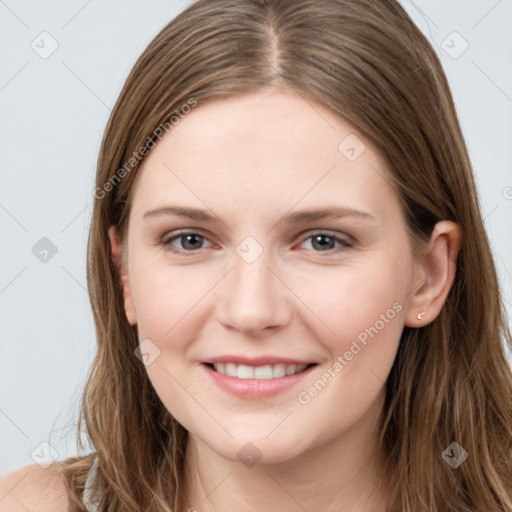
[168,301]
[166,297]
[364,313]
[349,300]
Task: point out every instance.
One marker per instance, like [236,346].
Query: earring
[419,316]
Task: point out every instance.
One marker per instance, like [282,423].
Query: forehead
[264,150]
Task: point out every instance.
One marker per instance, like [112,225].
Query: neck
[338,474]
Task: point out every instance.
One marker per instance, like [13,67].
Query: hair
[370,64]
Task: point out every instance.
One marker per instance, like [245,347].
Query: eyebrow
[298,217]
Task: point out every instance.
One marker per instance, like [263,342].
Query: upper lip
[257,361]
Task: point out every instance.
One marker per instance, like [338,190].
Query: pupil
[188,237]
[322,245]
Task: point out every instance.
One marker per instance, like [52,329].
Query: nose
[253,299]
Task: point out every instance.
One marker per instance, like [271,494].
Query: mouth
[263,372]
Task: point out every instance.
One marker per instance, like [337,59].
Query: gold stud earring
[419,316]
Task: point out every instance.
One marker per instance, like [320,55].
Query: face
[226,273]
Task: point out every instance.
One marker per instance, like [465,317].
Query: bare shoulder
[35,489]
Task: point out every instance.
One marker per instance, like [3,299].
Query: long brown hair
[367,62]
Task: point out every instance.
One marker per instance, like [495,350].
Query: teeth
[230,369]
[243,371]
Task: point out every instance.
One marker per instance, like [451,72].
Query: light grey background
[52,115]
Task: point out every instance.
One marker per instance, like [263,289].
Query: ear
[434,274]
[123,274]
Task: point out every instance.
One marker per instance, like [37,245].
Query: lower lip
[255,388]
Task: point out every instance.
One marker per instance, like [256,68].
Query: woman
[294,295]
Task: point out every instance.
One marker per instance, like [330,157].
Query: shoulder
[35,489]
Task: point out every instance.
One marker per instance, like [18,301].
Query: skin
[249,160]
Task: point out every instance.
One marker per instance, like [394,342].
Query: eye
[324,242]
[190,240]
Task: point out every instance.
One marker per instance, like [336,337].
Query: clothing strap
[90,503]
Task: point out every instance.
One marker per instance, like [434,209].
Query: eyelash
[166,241]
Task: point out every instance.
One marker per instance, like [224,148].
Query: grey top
[90,503]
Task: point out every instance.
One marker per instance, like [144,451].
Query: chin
[251,450]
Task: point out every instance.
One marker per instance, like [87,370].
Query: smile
[259,380]
[269,371]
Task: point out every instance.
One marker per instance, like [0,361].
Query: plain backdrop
[63,64]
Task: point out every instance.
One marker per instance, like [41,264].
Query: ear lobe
[117,256]
[437,273]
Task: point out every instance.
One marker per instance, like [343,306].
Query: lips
[255,381]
